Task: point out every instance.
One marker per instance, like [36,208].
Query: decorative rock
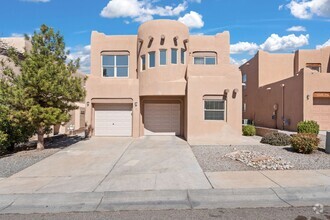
[259,160]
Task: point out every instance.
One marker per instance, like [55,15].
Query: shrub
[3,139]
[309,127]
[276,139]
[249,130]
[305,143]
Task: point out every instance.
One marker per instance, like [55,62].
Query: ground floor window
[214,110]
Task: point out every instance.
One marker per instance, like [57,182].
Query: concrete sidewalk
[164,200]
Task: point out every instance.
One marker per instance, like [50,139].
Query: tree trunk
[40,144]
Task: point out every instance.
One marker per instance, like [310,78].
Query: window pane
[215,105]
[108,60]
[183,53]
[122,60]
[122,71]
[162,57]
[214,115]
[210,60]
[174,56]
[152,59]
[198,60]
[109,72]
[143,62]
[244,78]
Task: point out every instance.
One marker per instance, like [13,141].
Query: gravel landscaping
[213,159]
[27,154]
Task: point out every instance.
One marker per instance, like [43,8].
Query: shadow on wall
[328,71]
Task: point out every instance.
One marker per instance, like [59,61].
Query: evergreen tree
[46,89]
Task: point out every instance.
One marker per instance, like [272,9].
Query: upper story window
[244,78]
[152,59]
[115,65]
[214,109]
[143,62]
[205,58]
[183,55]
[162,57]
[174,56]
[314,66]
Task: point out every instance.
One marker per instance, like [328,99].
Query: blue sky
[271,25]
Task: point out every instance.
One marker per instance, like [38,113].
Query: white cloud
[306,9]
[237,62]
[242,47]
[17,35]
[285,43]
[323,45]
[296,29]
[272,44]
[36,1]
[140,10]
[197,1]
[82,52]
[192,20]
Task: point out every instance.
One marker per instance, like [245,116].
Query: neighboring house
[19,43]
[282,89]
[164,81]
[77,121]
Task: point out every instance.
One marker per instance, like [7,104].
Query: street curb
[164,200]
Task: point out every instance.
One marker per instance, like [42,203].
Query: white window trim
[216,62]
[115,68]
[177,57]
[149,67]
[216,110]
[160,57]
[141,62]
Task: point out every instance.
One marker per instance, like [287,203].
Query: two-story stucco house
[283,89]
[163,81]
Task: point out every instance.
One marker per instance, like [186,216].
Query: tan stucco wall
[98,86]
[268,73]
[183,83]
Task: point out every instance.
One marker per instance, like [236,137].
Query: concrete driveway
[112,164]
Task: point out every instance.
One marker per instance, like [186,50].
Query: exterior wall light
[269,89]
[226,91]
[87,103]
[307,97]
[135,104]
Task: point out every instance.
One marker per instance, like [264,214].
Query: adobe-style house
[282,89]
[163,81]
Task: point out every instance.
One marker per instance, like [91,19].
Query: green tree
[46,89]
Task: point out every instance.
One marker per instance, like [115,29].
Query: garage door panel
[113,120]
[321,112]
[162,119]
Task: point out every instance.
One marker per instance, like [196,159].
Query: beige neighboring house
[77,121]
[164,81]
[282,89]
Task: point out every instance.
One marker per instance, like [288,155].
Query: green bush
[249,130]
[276,139]
[3,139]
[305,143]
[309,127]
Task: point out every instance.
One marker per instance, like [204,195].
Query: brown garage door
[321,112]
[162,119]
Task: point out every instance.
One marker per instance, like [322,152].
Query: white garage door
[162,119]
[113,120]
[321,112]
